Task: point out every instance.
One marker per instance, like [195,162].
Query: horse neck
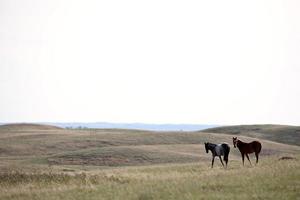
[240,143]
[211,146]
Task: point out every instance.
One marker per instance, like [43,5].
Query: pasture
[44,162]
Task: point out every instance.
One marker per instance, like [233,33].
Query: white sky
[207,62]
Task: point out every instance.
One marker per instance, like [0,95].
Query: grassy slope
[112,147]
[271,179]
[277,133]
[76,164]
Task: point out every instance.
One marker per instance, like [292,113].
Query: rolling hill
[43,145]
[47,162]
[278,133]
[27,127]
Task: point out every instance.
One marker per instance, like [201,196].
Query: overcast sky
[207,62]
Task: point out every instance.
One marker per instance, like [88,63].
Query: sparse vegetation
[272,179]
[130,164]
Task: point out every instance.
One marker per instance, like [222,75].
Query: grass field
[38,162]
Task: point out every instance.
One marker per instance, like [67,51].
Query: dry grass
[271,179]
[128,164]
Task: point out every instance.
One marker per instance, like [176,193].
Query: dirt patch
[287,158]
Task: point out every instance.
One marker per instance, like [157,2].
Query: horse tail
[226,151]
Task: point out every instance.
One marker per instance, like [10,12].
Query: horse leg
[256,155]
[248,159]
[226,161]
[221,161]
[212,162]
[243,157]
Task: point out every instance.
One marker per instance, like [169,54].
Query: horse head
[234,140]
[206,146]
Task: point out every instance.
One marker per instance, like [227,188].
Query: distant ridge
[139,126]
[28,126]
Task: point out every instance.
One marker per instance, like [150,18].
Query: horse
[247,148]
[218,150]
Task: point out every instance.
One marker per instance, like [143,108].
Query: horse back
[251,147]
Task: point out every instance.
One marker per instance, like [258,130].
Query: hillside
[41,162]
[278,133]
[27,127]
[40,146]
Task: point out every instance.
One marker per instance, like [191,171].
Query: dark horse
[246,148]
[218,150]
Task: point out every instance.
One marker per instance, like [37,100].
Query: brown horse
[245,148]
